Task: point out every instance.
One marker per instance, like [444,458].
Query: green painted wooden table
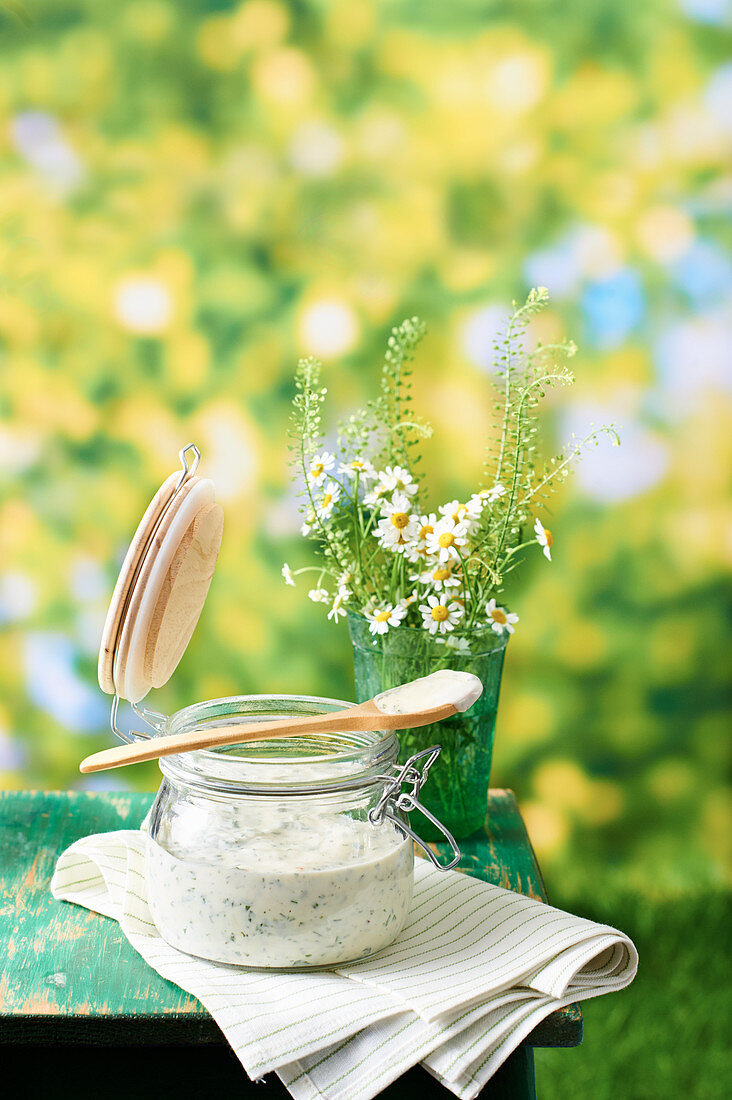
[71,981]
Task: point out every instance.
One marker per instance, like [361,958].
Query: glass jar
[292,852]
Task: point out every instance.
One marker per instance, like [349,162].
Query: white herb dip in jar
[263,854]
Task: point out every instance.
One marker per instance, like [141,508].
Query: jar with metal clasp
[295,852]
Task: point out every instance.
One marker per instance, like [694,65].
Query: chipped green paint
[71,974]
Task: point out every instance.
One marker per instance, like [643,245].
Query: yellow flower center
[426,530]
[400,520]
[499,616]
[549,538]
[382,616]
[317,469]
[440,613]
[441,574]
[327,500]
[446,539]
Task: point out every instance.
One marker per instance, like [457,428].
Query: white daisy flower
[439,615]
[319,595]
[360,466]
[382,616]
[441,576]
[376,495]
[499,618]
[468,514]
[417,552]
[331,496]
[446,538]
[399,526]
[398,505]
[394,478]
[320,467]
[337,608]
[460,645]
[473,510]
[450,510]
[407,601]
[492,495]
[287,574]
[309,523]
[544,538]
[391,537]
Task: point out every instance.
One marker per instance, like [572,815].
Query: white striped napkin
[474,971]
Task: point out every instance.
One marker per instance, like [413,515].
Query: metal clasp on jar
[394,798]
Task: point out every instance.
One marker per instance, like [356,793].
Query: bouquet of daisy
[420,585]
[384,554]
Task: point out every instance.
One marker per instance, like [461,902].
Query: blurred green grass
[667,1035]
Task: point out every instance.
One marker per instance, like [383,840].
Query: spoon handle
[366,716]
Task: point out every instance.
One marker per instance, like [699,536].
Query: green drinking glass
[457,791]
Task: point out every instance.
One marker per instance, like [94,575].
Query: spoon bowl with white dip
[418,703]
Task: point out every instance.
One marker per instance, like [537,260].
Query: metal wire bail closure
[394,798]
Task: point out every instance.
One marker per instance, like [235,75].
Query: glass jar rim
[308,763]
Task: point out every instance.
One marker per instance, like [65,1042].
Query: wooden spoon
[442,698]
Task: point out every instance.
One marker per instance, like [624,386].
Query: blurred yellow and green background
[194,194]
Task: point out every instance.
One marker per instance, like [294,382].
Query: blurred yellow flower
[562,783]
[284,77]
[526,717]
[259,24]
[189,360]
[593,97]
[717,828]
[148,20]
[18,322]
[665,233]
[547,827]
[216,45]
[351,25]
[231,448]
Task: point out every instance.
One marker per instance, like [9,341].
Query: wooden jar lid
[161,588]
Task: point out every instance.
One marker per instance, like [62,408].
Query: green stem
[569,459]
[358,526]
[512,504]
[311,569]
[394,571]
[398,422]
[466,586]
